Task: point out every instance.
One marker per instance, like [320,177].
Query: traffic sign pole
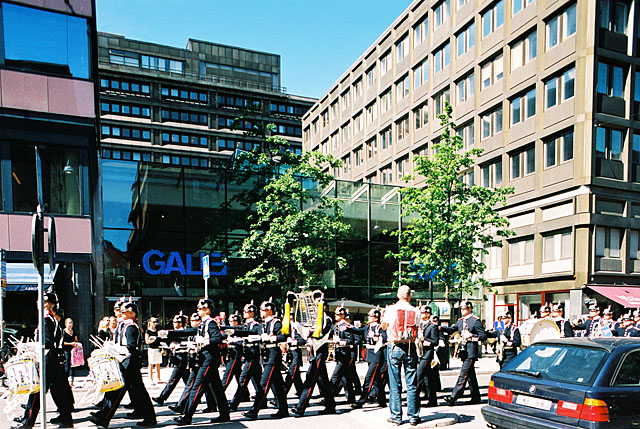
[206,274]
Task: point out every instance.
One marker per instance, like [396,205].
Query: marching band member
[344,340]
[428,335]
[353,354]
[317,371]
[545,312]
[271,333]
[208,336]
[636,318]
[178,360]
[234,354]
[590,325]
[295,342]
[510,339]
[626,329]
[472,333]
[375,337]
[128,338]
[566,331]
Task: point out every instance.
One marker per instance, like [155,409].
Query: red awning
[627,296]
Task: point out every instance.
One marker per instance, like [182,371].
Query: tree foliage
[451,222]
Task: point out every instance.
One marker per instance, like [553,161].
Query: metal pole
[3,280]
[206,288]
[41,334]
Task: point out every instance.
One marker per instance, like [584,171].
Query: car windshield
[562,363]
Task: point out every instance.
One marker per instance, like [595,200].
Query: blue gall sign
[157,263]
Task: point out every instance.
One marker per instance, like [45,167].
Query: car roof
[608,344]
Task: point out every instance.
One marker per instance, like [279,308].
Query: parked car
[568,383]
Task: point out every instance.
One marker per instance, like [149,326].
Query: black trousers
[184,397]
[384,376]
[251,370]
[232,370]
[293,373]
[271,380]
[343,369]
[374,384]
[426,379]
[317,373]
[467,374]
[207,375]
[135,386]
[58,383]
[179,373]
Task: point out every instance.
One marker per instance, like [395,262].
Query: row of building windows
[229,144]
[132,155]
[169,115]
[185,139]
[126,86]
[125,109]
[181,94]
[225,100]
[134,59]
[126,155]
[128,133]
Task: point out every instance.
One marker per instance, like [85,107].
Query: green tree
[294,230]
[451,222]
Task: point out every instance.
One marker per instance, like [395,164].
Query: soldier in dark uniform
[636,318]
[344,340]
[317,372]
[179,362]
[352,371]
[271,332]
[129,339]
[590,325]
[251,369]
[234,355]
[375,337]
[428,334]
[557,314]
[208,336]
[626,329]
[510,339]
[472,333]
[296,343]
[55,375]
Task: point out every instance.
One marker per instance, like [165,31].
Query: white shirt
[395,326]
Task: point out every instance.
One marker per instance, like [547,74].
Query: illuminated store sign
[158,263]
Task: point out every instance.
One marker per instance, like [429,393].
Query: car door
[624,391]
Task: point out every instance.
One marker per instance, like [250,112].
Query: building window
[420,31]
[441,13]
[127,133]
[421,73]
[385,102]
[558,149]
[467,133]
[357,89]
[492,71]
[402,128]
[608,242]
[386,175]
[561,26]
[523,107]
[635,158]
[359,156]
[372,148]
[385,63]
[518,5]
[611,80]
[372,112]
[402,88]
[466,39]
[439,101]
[129,87]
[492,174]
[345,100]
[125,109]
[325,118]
[560,88]
[421,115]
[462,3]
[465,88]
[335,141]
[468,178]
[523,162]
[402,48]
[371,77]
[386,138]
[614,15]
[609,143]
[557,245]
[524,51]
[401,168]
[44,41]
[441,58]
[634,244]
[357,123]
[185,139]
[491,122]
[346,133]
[346,164]
[187,95]
[492,18]
[169,115]
[334,111]
[521,252]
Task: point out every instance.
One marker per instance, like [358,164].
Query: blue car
[568,383]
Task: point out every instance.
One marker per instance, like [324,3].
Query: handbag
[77,355]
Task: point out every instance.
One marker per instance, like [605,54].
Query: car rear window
[628,373]
[561,363]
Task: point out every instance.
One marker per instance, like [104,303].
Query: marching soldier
[234,354]
[251,369]
[428,335]
[353,354]
[344,340]
[626,329]
[271,333]
[375,338]
[296,343]
[636,318]
[179,360]
[208,336]
[317,372]
[471,333]
[510,339]
[545,312]
[591,325]
[128,338]
[566,331]
[53,361]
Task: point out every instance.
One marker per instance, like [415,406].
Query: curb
[446,420]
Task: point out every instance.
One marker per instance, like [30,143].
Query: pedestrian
[103,329]
[154,355]
[113,324]
[69,341]
[401,321]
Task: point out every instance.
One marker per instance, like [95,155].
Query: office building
[550,90]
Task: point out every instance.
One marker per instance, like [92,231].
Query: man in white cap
[557,314]
[401,321]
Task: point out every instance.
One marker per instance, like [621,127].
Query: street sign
[498,325]
[205,267]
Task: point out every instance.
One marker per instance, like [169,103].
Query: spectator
[69,341]
[154,354]
[113,324]
[103,329]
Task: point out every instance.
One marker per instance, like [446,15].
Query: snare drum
[22,374]
[106,371]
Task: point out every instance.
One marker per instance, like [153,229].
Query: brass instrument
[308,312]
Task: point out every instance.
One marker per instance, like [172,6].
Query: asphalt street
[468,416]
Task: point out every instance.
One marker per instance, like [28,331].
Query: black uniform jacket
[565,328]
[477,330]
[430,340]
[340,333]
[208,329]
[372,333]
[272,354]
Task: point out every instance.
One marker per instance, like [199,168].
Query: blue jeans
[400,355]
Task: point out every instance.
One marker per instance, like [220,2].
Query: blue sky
[317,40]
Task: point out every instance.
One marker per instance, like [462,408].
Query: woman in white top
[154,354]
